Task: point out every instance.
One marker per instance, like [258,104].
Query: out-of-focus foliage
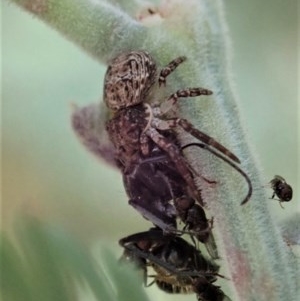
[44,262]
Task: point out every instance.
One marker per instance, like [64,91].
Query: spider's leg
[188,127]
[144,144]
[175,155]
[167,70]
[188,92]
[149,114]
[166,125]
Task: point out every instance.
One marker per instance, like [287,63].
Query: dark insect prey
[152,184]
[281,189]
[177,265]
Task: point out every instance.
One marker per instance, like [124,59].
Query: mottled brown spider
[178,266]
[136,127]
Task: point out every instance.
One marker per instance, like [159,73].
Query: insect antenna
[239,170]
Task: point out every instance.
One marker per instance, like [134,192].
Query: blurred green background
[49,175]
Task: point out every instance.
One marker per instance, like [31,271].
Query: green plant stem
[259,264]
[96,26]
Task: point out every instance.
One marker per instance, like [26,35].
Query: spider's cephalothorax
[281,189]
[178,266]
[142,132]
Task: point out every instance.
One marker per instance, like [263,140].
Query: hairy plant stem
[258,262]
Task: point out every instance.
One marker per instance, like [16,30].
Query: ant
[281,189]
[179,267]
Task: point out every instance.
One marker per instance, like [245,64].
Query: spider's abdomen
[128,79]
